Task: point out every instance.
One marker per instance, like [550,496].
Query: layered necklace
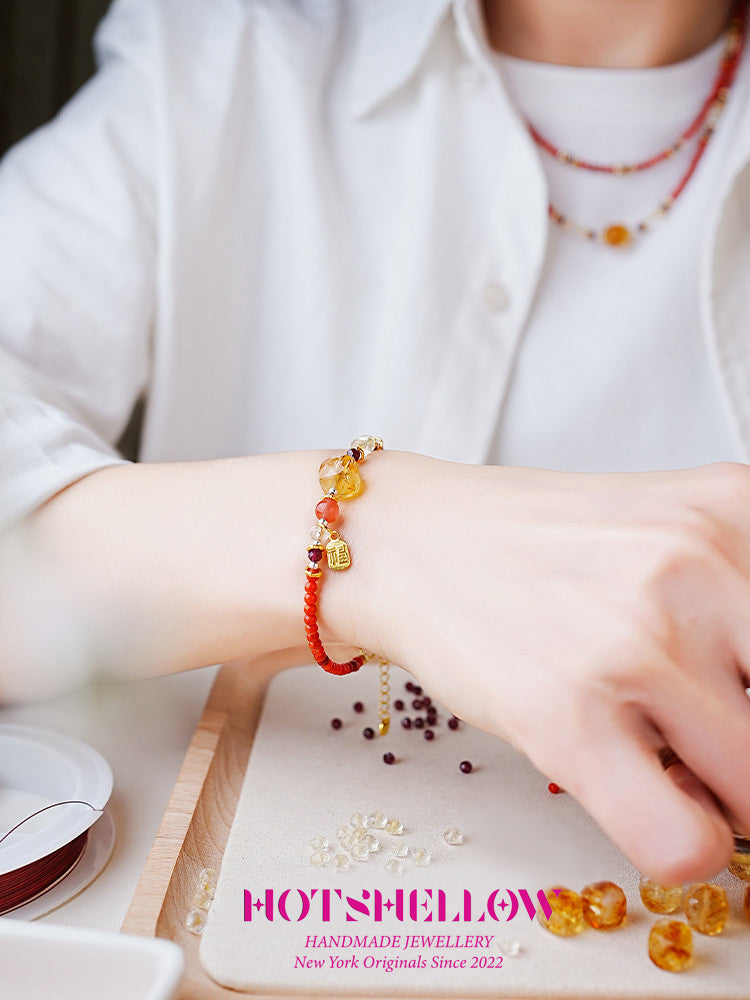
[618,234]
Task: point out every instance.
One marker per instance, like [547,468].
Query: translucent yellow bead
[706,908]
[341,475]
[604,905]
[567,912]
[660,898]
[740,863]
[617,236]
[670,945]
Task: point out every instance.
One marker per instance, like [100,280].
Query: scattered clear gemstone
[377,820]
[421,856]
[359,833]
[511,949]
[401,851]
[395,827]
[395,866]
[195,922]
[321,844]
[318,859]
[371,842]
[358,820]
[360,852]
[342,862]
[343,832]
[208,875]
[453,836]
[203,896]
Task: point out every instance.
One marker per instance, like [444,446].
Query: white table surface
[143,729]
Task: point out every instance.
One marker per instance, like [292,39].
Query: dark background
[45,56]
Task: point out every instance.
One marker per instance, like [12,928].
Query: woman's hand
[590,618]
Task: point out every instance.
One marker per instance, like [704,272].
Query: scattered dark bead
[406,722]
[428,734]
[368,733]
[409,686]
[358,706]
[419,722]
[398,705]
[453,722]
[388,758]
[426,701]
[465,766]
[417,689]
[431,716]
[336,723]
[416,704]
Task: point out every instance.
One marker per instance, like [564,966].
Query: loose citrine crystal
[617,236]
[740,866]
[604,905]
[670,945]
[740,863]
[566,918]
[706,908]
[660,898]
[341,475]
[746,903]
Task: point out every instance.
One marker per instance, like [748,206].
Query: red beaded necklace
[618,234]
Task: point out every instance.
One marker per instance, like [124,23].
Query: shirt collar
[392,38]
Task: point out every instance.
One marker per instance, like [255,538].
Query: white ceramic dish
[42,961]
[39,767]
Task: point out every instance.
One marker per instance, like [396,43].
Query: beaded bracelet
[340,480]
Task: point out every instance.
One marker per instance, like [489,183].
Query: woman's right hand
[591,619]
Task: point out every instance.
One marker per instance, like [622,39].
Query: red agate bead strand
[340,480]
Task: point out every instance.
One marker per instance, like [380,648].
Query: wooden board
[195,827]
[196,824]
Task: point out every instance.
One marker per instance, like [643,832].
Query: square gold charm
[338,554]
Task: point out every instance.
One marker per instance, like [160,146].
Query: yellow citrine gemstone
[604,905]
[617,235]
[706,908]
[566,918]
[670,945]
[660,898]
[341,475]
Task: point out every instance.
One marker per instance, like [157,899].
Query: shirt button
[496,297]
[468,79]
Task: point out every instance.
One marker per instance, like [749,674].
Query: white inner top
[630,318]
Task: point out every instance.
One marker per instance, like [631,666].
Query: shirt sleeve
[77,272]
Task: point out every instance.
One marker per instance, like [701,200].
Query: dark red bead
[426,701]
[428,734]
[368,733]
[336,723]
[416,704]
[409,686]
[406,722]
[466,766]
[419,722]
[453,722]
[398,705]
[388,758]
[354,453]
[314,555]
[358,706]
[417,689]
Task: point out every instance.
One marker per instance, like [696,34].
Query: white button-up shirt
[287,223]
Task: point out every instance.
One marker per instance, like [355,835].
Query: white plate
[39,767]
[42,961]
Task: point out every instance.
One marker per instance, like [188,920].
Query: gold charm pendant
[337,552]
